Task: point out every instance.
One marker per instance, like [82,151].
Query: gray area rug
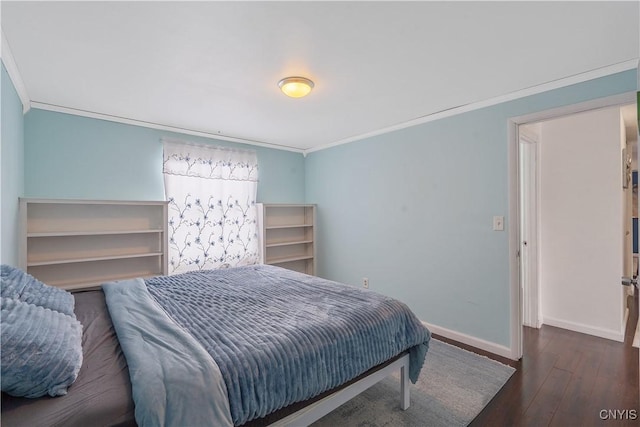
[454,386]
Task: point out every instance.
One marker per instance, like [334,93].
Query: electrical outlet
[365,282]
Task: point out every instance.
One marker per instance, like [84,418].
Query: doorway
[563,244]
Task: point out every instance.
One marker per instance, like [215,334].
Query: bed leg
[405,396]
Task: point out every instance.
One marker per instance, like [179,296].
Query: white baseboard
[491,347]
[586,329]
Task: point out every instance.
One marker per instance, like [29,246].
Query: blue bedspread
[281,337]
[174,381]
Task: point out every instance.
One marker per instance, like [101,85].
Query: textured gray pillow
[41,349]
[17,284]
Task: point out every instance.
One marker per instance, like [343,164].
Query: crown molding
[12,69]
[151,125]
[533,90]
[14,74]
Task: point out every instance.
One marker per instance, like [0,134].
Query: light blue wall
[11,167]
[69,156]
[412,211]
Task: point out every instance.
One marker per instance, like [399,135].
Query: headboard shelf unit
[288,236]
[77,244]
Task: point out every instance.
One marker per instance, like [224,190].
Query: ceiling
[213,67]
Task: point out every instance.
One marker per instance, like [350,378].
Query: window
[212,206]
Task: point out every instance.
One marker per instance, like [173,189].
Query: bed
[281,347]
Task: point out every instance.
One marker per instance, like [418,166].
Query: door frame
[513,153]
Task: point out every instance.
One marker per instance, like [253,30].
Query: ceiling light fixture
[296,87]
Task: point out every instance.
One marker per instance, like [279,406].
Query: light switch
[498,223]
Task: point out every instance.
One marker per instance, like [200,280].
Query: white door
[528,147]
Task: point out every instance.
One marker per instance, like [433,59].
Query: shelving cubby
[77,244]
[288,232]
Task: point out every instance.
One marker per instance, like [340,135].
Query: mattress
[276,337]
[101,395]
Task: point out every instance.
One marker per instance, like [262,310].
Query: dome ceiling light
[296,87]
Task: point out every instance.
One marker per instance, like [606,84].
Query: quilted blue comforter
[280,337]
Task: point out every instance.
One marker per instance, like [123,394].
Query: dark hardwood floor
[566,379]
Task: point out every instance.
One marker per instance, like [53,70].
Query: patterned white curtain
[212,206]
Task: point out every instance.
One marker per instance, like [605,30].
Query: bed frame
[322,407]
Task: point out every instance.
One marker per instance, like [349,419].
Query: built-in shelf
[288,236]
[273,245]
[103,258]
[96,283]
[282,260]
[77,244]
[275,227]
[93,233]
